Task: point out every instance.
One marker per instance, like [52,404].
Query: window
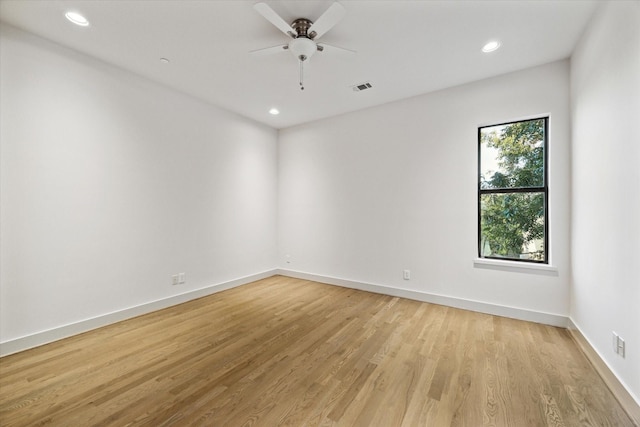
[513,192]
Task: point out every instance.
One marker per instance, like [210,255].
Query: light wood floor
[283,351]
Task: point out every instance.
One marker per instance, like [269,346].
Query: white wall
[605,93]
[110,184]
[365,195]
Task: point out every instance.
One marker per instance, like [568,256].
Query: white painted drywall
[605,243]
[365,195]
[110,184]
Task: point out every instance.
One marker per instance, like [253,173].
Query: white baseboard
[48,336]
[479,306]
[628,401]
[54,334]
[618,388]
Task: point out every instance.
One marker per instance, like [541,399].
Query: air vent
[362,86]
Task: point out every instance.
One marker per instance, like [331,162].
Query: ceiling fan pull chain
[301,74]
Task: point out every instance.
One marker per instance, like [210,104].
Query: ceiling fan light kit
[302,48]
[303,31]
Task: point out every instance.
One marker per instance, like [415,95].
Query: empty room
[319,213]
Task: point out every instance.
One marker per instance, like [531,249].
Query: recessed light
[164,60]
[274,111]
[491,46]
[77,19]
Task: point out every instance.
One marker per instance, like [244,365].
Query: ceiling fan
[304,33]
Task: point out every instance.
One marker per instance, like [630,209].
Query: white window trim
[516,266]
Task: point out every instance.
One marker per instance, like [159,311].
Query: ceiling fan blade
[269,50]
[331,48]
[329,18]
[271,16]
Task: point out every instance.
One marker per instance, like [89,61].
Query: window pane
[512,155]
[512,226]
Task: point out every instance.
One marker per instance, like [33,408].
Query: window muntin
[513,191]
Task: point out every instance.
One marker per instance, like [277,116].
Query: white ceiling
[405,48]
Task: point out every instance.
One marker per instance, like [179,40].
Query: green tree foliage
[512,221]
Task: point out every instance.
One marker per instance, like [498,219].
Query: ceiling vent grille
[362,86]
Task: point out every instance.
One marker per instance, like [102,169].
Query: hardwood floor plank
[290,352]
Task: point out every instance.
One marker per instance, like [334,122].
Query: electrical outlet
[621,347]
[406,274]
[174,279]
[618,344]
[181,278]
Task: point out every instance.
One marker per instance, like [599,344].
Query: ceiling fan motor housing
[302,25]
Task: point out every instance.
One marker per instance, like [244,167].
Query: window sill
[515,266]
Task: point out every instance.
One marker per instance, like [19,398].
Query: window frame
[544,189]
